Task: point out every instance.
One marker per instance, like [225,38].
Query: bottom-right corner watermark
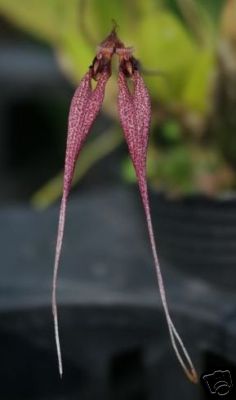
[218,383]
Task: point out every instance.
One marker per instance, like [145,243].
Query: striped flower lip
[134,108]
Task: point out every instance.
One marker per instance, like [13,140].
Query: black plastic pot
[197,235]
[113,333]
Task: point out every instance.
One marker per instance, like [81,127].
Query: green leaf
[164,44]
[197,91]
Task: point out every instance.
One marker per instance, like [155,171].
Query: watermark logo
[218,383]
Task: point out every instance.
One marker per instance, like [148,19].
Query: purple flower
[135,115]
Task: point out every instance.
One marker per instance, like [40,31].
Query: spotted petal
[135,116]
[85,106]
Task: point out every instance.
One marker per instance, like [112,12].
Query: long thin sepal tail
[84,108]
[135,115]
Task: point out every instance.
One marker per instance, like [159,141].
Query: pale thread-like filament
[174,335]
[61,227]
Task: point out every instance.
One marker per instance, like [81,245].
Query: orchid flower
[134,108]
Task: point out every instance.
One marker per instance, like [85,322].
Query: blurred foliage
[193,142]
[90,154]
[160,39]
